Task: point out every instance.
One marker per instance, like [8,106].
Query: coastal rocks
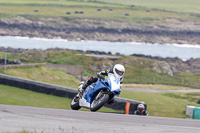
[2,62]
[163,67]
[12,50]
[189,66]
[96,52]
[176,64]
[100,66]
[81,30]
[34,55]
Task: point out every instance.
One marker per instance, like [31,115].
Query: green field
[161,11]
[169,5]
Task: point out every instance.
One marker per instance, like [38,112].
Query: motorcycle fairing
[111,83]
[83,103]
[92,89]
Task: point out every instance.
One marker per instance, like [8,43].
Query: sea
[182,51]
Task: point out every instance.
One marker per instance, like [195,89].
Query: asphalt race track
[37,120]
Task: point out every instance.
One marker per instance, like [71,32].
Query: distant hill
[147,21]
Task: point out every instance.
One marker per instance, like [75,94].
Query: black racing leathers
[143,112]
[101,75]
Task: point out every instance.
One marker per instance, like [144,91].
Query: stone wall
[76,71]
[21,65]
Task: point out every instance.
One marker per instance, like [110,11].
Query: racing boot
[81,88]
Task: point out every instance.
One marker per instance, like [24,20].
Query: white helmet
[118,71]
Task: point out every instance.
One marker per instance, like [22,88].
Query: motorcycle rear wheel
[99,101]
[75,103]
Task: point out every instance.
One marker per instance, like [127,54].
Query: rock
[2,62]
[176,64]
[162,67]
[92,29]
[12,50]
[33,54]
[96,52]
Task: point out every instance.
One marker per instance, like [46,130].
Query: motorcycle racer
[140,110]
[118,70]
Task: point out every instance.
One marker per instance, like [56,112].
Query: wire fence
[166,81]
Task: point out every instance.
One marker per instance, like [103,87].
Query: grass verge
[161,104]
[15,96]
[44,74]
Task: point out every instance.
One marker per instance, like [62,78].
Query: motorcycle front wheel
[75,103]
[99,101]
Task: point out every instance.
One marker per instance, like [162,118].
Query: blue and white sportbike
[97,94]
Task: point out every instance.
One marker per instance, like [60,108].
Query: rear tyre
[99,101]
[75,103]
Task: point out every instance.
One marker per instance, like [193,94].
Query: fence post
[154,80]
[189,83]
[5,63]
[182,82]
[169,80]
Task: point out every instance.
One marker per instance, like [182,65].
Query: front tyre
[99,101]
[75,103]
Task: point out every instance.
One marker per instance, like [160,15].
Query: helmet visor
[140,109]
[119,72]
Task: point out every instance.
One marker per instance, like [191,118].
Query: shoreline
[134,43]
[79,32]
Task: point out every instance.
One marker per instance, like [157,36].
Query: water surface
[184,52]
